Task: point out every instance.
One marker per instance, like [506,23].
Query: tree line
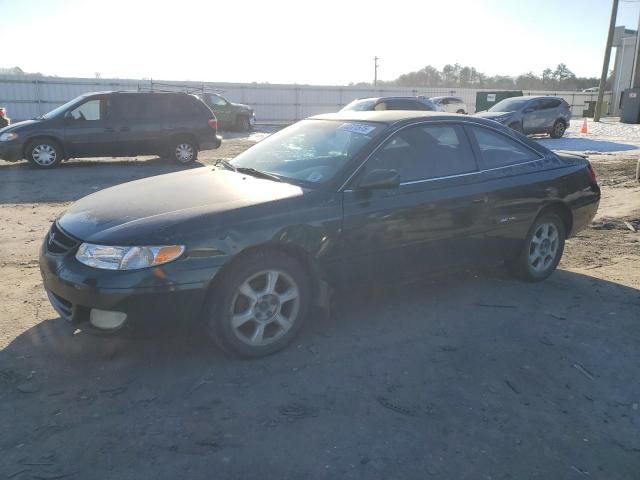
[560,78]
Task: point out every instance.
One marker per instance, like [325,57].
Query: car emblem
[52,238]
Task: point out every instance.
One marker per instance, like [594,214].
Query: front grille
[60,305]
[59,242]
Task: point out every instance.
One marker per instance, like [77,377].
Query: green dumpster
[486,100]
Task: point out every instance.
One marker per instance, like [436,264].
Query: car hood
[19,125]
[153,209]
[492,115]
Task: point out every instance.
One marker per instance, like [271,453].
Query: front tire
[44,153]
[558,129]
[259,305]
[183,151]
[542,249]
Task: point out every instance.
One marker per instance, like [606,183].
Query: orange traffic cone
[584,128]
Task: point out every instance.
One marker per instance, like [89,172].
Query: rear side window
[402,104]
[498,150]
[128,106]
[425,152]
[550,103]
[186,106]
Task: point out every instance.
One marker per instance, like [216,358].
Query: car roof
[378,99]
[387,116]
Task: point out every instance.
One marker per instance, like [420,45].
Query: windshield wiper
[258,173]
[225,164]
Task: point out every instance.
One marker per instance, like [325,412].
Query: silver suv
[531,115]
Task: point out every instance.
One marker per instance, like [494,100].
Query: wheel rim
[559,129]
[264,308]
[44,155]
[184,152]
[544,247]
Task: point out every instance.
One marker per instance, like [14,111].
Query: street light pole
[375,70]
[605,63]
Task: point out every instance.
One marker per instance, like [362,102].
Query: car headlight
[126,258]
[6,137]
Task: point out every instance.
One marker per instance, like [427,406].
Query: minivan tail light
[213,123]
[592,175]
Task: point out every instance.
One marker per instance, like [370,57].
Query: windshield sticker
[361,128]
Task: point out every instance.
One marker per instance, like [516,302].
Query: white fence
[28,96]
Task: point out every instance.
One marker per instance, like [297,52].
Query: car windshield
[359,106]
[509,104]
[57,111]
[310,151]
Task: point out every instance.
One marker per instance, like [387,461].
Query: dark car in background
[249,247]
[114,124]
[230,115]
[391,103]
[532,114]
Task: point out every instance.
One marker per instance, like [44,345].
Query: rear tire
[183,151]
[541,251]
[44,153]
[461,111]
[260,304]
[243,124]
[558,129]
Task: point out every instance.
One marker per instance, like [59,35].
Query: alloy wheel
[543,247]
[264,308]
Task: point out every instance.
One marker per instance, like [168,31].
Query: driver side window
[88,111]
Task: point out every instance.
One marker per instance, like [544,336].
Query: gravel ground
[467,375]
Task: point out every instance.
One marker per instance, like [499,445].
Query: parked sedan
[451,104]
[531,115]
[248,247]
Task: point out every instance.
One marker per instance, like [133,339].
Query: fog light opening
[106,320]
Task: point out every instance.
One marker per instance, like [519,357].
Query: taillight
[213,123]
[592,175]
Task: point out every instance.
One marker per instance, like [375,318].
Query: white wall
[27,97]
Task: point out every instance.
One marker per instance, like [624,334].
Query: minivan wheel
[44,153]
[558,129]
[184,151]
[542,249]
[260,305]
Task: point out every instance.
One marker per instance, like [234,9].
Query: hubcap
[184,152]
[543,248]
[559,129]
[264,308]
[44,155]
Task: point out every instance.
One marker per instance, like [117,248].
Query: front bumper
[11,151]
[170,293]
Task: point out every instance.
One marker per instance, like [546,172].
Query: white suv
[451,104]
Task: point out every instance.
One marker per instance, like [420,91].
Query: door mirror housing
[380,179]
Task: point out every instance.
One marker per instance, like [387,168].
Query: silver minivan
[532,114]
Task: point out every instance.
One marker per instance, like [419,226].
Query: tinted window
[509,104]
[425,152]
[128,107]
[184,106]
[498,150]
[403,104]
[550,103]
[360,105]
[88,111]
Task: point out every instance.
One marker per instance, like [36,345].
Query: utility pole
[375,70]
[605,63]
[635,73]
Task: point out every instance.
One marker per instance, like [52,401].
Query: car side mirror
[380,179]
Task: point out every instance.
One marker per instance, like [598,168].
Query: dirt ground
[471,375]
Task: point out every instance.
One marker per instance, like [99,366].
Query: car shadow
[20,183]
[576,144]
[474,352]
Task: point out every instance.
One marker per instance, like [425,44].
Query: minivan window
[498,150]
[61,109]
[88,111]
[128,107]
[425,152]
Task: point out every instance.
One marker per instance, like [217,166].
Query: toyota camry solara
[247,248]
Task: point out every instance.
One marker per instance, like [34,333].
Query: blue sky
[312,41]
